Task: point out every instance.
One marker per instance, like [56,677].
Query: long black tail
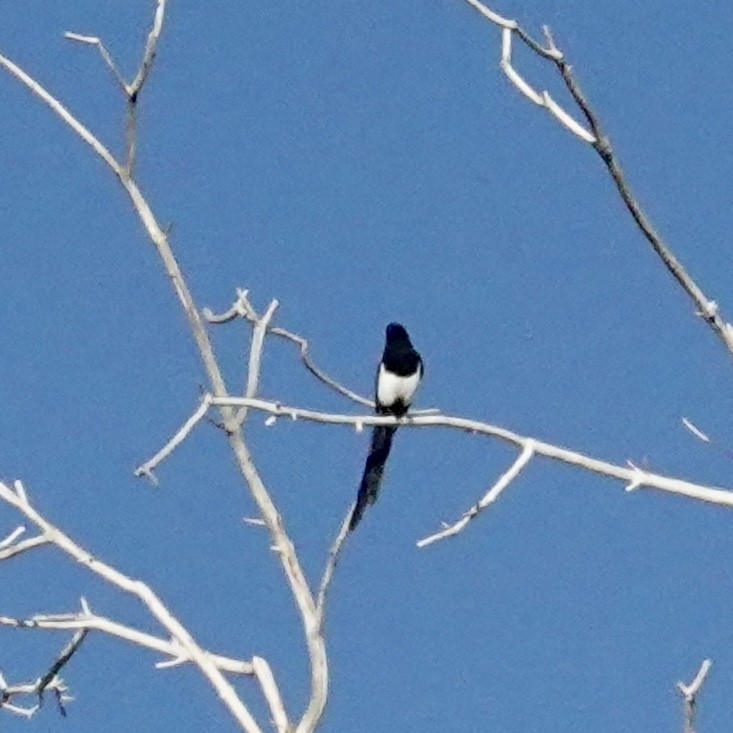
[373,471]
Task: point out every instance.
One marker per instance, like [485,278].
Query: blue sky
[365,163]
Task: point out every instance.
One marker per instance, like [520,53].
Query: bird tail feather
[373,471]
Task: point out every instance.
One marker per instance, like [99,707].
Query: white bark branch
[632,475]
[331,562]
[705,307]
[280,539]
[488,498]
[17,532]
[689,694]
[17,498]
[20,547]
[272,694]
[242,308]
[255,354]
[63,113]
[543,98]
[148,468]
[86,621]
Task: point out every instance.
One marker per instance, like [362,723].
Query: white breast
[392,388]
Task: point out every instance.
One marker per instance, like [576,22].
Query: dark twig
[66,653]
[49,681]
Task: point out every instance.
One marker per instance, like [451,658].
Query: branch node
[708,310]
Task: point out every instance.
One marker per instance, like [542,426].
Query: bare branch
[147,468]
[243,309]
[17,498]
[689,694]
[134,88]
[705,438]
[596,137]
[542,99]
[151,46]
[87,621]
[695,430]
[17,532]
[272,694]
[634,476]
[488,498]
[255,354]
[285,549]
[131,90]
[63,113]
[49,681]
[21,547]
[331,562]
[106,57]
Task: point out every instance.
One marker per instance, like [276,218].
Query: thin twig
[82,131]
[706,308]
[705,438]
[51,675]
[331,562]
[488,498]
[49,681]
[106,57]
[151,46]
[134,88]
[147,468]
[255,354]
[241,308]
[10,539]
[689,695]
[20,547]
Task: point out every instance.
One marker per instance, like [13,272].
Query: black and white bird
[398,377]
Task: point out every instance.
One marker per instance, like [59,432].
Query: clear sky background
[363,163]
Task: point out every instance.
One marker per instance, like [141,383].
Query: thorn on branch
[708,311]
[254,521]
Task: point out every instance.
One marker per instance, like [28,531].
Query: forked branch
[49,681]
[285,550]
[595,136]
[689,695]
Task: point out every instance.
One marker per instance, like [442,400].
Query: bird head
[397,332]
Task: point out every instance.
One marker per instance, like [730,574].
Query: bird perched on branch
[398,377]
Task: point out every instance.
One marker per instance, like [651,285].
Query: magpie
[398,376]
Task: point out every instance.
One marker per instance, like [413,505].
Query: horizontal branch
[93,622]
[632,475]
[17,497]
